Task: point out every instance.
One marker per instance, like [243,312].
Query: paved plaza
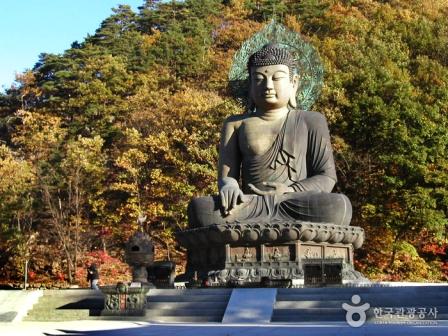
[117,328]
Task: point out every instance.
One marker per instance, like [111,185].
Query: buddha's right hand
[276,188]
[231,195]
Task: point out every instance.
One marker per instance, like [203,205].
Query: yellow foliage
[292,23]
[408,263]
[16,176]
[237,9]
[38,134]
[85,154]
[133,137]
[150,40]
[131,161]
[29,89]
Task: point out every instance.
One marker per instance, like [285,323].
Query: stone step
[41,307]
[55,303]
[72,292]
[346,297]
[81,316]
[73,315]
[322,316]
[184,319]
[80,293]
[361,290]
[99,304]
[189,305]
[316,319]
[58,315]
[70,297]
[442,311]
[171,305]
[391,302]
[314,305]
[190,291]
[218,312]
[188,298]
[70,305]
[337,314]
[170,319]
[47,299]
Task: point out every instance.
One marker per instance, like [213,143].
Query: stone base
[246,265]
[270,232]
[251,253]
[122,300]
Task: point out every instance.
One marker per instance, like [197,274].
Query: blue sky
[30,27]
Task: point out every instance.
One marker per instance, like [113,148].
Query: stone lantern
[130,300]
[139,254]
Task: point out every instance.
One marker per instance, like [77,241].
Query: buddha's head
[272,78]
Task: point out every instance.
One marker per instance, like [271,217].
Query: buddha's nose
[269,83]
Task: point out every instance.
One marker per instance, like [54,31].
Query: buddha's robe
[300,157]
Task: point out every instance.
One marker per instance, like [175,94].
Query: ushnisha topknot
[272,54]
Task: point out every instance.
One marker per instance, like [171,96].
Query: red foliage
[112,270]
[60,276]
[444,268]
[435,248]
[31,275]
[98,257]
[105,232]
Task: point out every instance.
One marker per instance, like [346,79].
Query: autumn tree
[127,122]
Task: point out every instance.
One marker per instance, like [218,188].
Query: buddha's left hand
[276,189]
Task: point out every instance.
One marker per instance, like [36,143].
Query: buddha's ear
[295,86]
[250,101]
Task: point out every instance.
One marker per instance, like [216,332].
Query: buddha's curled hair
[272,54]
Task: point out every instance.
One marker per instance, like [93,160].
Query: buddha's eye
[259,78]
[278,77]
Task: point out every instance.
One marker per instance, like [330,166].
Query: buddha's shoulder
[314,119]
[238,119]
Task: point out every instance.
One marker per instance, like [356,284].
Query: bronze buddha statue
[282,156]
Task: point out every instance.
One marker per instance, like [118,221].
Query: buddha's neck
[274,114]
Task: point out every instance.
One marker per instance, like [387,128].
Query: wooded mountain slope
[127,122]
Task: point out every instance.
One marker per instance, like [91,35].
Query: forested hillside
[127,121]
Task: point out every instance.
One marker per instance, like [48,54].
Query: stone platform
[390,305]
[278,250]
[301,311]
[123,328]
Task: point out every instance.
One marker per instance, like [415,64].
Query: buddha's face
[271,86]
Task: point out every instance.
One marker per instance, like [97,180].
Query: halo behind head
[307,63]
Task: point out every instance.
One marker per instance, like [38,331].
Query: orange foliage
[111,269]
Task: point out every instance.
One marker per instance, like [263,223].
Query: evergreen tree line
[127,121]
